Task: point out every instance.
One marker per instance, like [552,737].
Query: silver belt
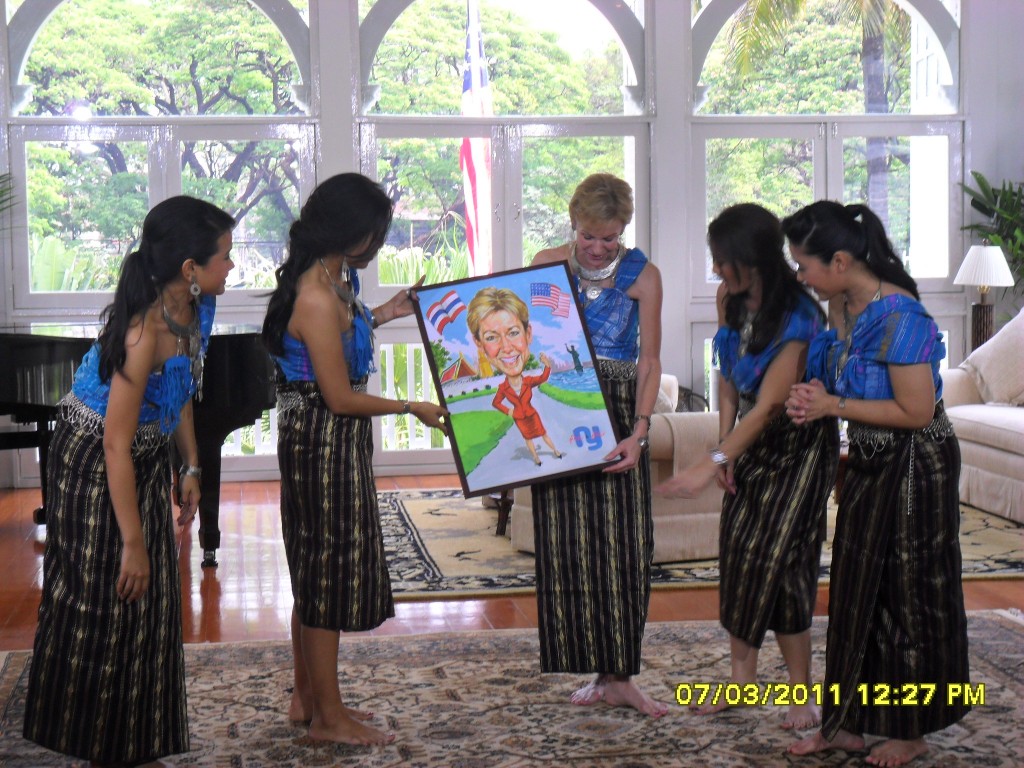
[85,419]
[616,370]
[287,399]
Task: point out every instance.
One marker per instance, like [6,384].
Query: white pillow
[664,403]
[997,366]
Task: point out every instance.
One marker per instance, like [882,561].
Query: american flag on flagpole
[551,296]
[475,155]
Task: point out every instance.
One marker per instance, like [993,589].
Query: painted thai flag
[551,296]
[475,154]
[445,310]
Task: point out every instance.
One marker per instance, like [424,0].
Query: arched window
[124,103]
[834,102]
[822,99]
[560,94]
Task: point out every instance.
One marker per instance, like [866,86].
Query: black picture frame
[559,407]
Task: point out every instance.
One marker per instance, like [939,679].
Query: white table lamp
[984,266]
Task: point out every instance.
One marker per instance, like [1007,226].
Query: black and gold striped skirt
[107,680]
[896,606]
[329,514]
[594,546]
[772,529]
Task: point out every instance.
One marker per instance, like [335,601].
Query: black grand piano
[37,366]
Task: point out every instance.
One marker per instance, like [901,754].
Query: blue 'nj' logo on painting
[592,436]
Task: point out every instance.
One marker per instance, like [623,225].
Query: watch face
[644,443]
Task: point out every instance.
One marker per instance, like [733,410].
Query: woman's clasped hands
[808,401]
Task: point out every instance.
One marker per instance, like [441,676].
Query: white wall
[992,58]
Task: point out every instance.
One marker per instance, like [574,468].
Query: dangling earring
[194,288]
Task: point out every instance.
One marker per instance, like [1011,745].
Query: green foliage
[592,401]
[57,266]
[1003,207]
[442,357]
[809,57]
[123,57]
[477,433]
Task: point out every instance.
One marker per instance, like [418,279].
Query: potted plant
[1003,206]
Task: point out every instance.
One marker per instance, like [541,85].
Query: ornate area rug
[477,699]
[441,542]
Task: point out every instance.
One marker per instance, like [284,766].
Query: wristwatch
[406,407]
[644,443]
[718,457]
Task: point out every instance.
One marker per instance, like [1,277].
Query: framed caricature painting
[513,364]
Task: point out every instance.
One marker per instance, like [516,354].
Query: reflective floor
[247,597]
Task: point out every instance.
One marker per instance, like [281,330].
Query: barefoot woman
[778,475]
[896,607]
[593,532]
[320,335]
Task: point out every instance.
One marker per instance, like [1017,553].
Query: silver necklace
[595,275]
[187,336]
[849,321]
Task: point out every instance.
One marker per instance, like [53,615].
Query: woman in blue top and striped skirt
[777,475]
[107,682]
[896,610]
[320,334]
[594,532]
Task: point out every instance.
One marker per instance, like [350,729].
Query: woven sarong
[329,514]
[107,681]
[594,545]
[773,527]
[896,607]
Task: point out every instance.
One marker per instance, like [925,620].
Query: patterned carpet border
[991,547]
[477,700]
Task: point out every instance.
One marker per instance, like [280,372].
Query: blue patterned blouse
[746,372]
[895,330]
[613,318]
[357,343]
[167,391]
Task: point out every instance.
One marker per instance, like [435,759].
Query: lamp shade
[984,265]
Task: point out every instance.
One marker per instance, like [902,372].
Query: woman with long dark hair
[896,610]
[777,475]
[321,336]
[107,682]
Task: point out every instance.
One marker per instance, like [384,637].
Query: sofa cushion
[997,366]
[998,426]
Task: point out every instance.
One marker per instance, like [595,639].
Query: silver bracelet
[187,470]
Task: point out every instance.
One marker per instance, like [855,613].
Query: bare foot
[712,707]
[625,693]
[591,693]
[349,731]
[300,713]
[893,752]
[802,716]
[817,742]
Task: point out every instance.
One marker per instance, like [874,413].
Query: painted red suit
[526,416]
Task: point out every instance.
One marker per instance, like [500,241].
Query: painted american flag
[551,296]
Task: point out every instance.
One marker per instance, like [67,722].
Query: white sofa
[684,529]
[984,398]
